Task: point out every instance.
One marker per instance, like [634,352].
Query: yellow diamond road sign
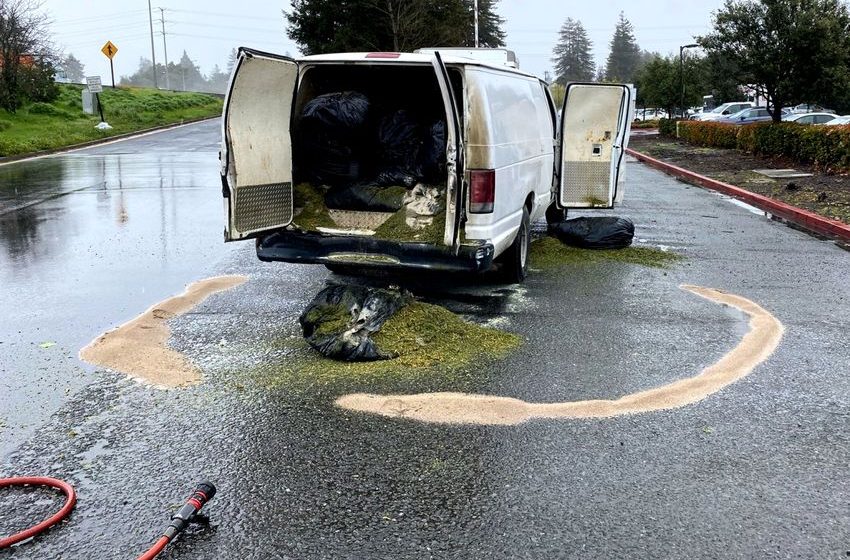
[109,50]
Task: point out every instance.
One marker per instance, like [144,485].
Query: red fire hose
[70,500]
[181,518]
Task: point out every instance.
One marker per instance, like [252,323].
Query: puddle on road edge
[138,348]
[464,408]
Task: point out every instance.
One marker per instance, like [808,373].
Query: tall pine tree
[572,54]
[625,56]
[323,26]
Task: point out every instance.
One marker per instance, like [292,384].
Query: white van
[502,159]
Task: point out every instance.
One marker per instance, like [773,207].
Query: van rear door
[454,156]
[256,151]
[594,132]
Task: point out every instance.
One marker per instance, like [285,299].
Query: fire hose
[203,493]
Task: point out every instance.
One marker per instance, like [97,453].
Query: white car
[810,118]
[839,121]
[723,111]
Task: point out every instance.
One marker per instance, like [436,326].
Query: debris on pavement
[341,319]
[604,232]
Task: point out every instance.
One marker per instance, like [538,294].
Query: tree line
[786,51]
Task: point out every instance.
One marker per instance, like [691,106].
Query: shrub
[667,127]
[5,125]
[711,134]
[644,124]
[826,147]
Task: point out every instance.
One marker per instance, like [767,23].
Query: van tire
[515,259]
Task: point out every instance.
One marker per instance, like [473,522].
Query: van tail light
[482,190]
[383,55]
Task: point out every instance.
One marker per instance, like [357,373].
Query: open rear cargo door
[454,156]
[595,125]
[256,152]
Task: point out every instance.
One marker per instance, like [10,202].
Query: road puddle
[139,348]
[463,408]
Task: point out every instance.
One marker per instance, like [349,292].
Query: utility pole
[153,53]
[164,47]
[475,18]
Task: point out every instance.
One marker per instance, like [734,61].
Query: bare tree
[26,53]
[405,18]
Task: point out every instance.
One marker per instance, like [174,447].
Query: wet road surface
[759,469]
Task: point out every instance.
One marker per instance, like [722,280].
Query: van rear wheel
[515,259]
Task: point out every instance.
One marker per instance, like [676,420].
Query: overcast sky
[208,29]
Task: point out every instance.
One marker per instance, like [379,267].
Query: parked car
[480,152]
[724,110]
[839,121]
[809,108]
[650,114]
[748,116]
[810,118]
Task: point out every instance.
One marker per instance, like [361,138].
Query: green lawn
[44,126]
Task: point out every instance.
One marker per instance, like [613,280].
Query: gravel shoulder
[823,193]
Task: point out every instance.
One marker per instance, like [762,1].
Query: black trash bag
[339,321]
[400,138]
[432,156]
[332,137]
[596,233]
[368,197]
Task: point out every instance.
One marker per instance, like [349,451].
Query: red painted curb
[804,218]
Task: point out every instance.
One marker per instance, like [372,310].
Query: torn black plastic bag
[596,232]
[340,320]
[432,156]
[366,197]
[332,135]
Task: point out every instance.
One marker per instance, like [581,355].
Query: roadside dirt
[822,193]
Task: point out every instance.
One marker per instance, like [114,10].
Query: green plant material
[332,319]
[826,147]
[426,339]
[313,212]
[396,229]
[549,253]
[710,134]
[47,344]
[61,122]
[667,127]
[595,202]
[645,124]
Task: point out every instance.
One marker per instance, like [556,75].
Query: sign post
[96,87]
[110,50]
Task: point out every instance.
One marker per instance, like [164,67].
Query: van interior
[369,152]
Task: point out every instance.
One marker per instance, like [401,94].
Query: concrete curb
[803,218]
[105,140]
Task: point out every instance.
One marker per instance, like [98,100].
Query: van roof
[449,57]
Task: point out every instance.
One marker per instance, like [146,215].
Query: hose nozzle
[203,493]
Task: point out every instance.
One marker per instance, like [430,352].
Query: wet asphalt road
[759,469]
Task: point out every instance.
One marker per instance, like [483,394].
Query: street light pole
[682,74]
[153,53]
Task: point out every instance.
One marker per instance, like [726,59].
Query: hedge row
[667,127]
[827,147]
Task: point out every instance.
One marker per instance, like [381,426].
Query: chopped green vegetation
[45,126]
[332,319]
[595,202]
[427,338]
[548,252]
[396,229]
[313,213]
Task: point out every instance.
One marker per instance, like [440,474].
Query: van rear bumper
[296,247]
